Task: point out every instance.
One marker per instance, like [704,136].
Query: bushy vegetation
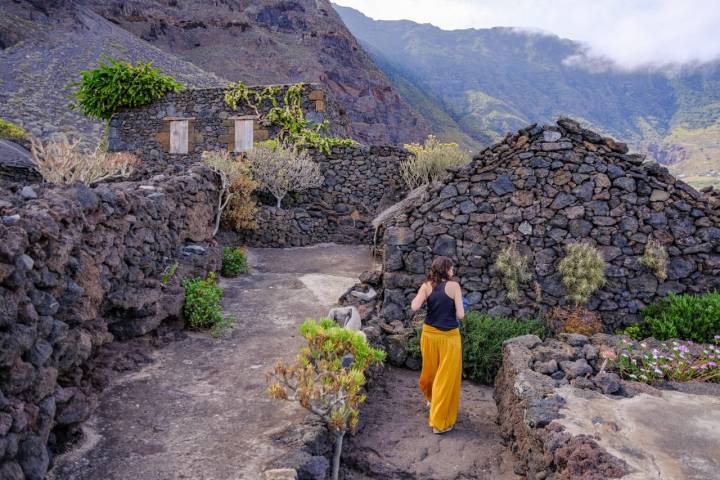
[234,262]
[10,131]
[202,304]
[686,317]
[280,170]
[328,377]
[482,339]
[63,161]
[116,84]
[513,266]
[677,361]
[430,161]
[583,272]
[169,273]
[236,206]
[295,129]
[655,258]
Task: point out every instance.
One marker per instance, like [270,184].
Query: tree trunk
[336,457]
[279,202]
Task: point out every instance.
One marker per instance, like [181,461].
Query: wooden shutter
[243,133]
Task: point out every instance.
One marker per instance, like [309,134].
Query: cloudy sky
[630,33]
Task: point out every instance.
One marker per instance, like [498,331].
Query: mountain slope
[44,47]
[491,81]
[275,41]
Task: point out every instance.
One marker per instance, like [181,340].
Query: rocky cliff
[45,44]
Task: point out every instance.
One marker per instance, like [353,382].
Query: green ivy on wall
[289,117]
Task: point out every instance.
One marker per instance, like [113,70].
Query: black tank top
[441,309]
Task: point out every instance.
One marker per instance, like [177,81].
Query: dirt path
[396,442]
[200,411]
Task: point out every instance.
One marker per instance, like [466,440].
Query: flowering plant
[674,361]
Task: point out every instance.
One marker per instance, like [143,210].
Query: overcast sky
[631,33]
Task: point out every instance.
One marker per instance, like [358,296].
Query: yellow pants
[441,376]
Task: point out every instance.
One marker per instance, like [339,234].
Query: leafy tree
[328,377]
[118,84]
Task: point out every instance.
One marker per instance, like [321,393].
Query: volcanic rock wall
[79,266]
[543,188]
[359,182]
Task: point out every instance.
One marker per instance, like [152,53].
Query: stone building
[175,129]
[172,132]
[543,188]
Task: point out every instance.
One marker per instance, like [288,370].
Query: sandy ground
[200,410]
[395,441]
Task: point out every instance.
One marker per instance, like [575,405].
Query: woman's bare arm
[457,297]
[420,298]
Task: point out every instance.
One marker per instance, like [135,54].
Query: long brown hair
[439,271]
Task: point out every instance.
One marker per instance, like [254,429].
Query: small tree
[280,169]
[655,258]
[117,84]
[324,381]
[62,161]
[235,203]
[513,267]
[430,161]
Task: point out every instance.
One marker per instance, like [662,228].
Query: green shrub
[583,272]
[119,84]
[10,131]
[234,262]
[168,273]
[482,339]
[202,304]
[430,161]
[686,317]
[412,347]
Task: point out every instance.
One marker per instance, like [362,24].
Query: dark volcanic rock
[542,200]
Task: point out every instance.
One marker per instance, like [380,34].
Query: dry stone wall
[80,266]
[543,188]
[359,182]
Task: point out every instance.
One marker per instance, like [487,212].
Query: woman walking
[441,376]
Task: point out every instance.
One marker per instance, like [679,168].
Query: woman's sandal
[439,432]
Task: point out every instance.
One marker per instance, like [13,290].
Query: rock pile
[535,386]
[542,188]
[80,266]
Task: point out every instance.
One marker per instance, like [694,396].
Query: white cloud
[630,34]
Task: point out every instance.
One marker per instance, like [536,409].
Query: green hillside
[483,83]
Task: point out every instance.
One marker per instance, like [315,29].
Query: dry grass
[62,161]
